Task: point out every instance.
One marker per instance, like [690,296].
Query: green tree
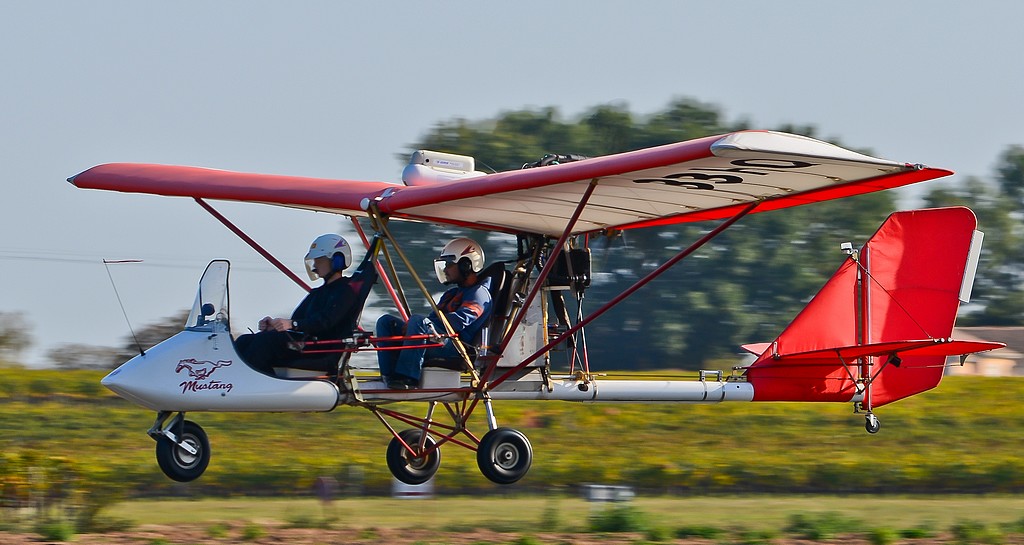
[15,335]
[143,338]
[998,295]
[1011,176]
[83,356]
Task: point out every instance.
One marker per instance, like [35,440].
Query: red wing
[340,196]
[702,179]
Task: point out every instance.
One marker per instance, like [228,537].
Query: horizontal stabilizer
[756,348]
[849,354]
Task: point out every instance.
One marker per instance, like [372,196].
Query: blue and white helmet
[332,246]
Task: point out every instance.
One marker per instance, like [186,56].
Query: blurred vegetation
[62,434]
[15,335]
[720,519]
[999,204]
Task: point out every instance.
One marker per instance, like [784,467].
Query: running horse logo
[200,370]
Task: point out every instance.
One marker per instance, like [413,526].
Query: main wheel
[178,463]
[504,455]
[405,466]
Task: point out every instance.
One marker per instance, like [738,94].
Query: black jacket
[329,311]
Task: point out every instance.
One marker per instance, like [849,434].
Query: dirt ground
[169,535]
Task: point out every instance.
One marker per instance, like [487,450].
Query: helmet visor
[310,269]
[440,264]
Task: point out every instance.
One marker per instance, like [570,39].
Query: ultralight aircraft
[878,331]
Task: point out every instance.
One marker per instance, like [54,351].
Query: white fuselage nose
[199,370]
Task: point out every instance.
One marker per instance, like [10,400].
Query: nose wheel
[182,450]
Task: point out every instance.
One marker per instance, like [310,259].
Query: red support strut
[259,249]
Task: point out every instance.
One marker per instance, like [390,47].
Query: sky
[341,89]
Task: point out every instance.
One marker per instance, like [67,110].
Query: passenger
[326,314]
[467,306]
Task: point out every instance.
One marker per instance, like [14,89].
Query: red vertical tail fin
[880,327]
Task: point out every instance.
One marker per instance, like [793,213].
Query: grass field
[518,513]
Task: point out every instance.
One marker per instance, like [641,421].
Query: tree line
[745,287]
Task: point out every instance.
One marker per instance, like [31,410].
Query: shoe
[400,382]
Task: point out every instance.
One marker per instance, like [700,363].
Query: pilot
[326,313]
[466,305]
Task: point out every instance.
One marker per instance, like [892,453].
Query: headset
[465,266]
[337,262]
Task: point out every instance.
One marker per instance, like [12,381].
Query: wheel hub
[186,458]
[507,456]
[415,462]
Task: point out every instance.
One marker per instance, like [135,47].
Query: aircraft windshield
[211,306]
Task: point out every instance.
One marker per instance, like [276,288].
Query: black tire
[872,425]
[176,462]
[408,468]
[504,455]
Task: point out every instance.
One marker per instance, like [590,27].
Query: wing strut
[252,243]
[381,224]
[381,273]
[629,291]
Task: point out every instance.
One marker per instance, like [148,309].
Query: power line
[247,266]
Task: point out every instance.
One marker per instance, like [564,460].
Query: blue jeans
[409,360]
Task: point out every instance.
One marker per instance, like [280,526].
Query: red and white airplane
[878,331]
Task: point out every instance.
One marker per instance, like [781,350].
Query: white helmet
[332,246]
[464,251]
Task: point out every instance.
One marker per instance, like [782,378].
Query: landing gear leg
[492,422]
